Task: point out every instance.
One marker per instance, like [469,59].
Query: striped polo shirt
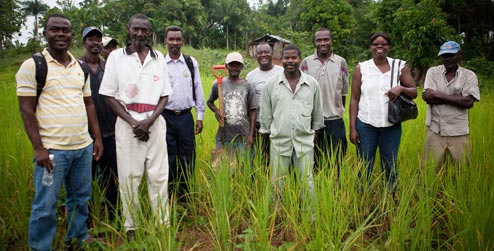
[61,112]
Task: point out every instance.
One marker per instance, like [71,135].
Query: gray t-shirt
[238,99]
[258,79]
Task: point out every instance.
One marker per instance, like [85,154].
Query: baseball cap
[107,40]
[234,57]
[90,29]
[450,47]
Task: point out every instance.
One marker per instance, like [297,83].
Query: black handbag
[403,108]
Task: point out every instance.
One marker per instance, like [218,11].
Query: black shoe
[131,235]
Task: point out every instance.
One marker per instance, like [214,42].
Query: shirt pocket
[457,90]
[306,109]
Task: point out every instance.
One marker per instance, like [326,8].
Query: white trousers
[136,158]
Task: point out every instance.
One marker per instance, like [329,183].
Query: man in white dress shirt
[187,93]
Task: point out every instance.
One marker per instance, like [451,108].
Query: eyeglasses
[379,44]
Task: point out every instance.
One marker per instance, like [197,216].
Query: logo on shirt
[156,78]
[131,90]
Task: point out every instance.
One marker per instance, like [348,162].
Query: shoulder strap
[41,72]
[398,82]
[392,73]
[190,65]
[84,68]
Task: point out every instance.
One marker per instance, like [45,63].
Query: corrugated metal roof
[271,38]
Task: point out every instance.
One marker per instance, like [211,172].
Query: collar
[443,69]
[49,58]
[331,57]
[169,59]
[128,51]
[101,63]
[303,79]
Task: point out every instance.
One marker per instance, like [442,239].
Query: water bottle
[47,175]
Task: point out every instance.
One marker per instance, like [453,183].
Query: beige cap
[107,40]
[234,57]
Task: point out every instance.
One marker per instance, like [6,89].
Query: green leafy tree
[417,30]
[195,21]
[269,18]
[475,19]
[10,21]
[166,13]
[292,15]
[336,15]
[116,14]
[361,30]
[34,8]
[228,21]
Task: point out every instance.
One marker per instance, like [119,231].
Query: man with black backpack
[57,110]
[187,93]
[106,167]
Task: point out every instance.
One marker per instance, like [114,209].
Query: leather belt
[178,112]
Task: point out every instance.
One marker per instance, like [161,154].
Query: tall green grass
[451,209]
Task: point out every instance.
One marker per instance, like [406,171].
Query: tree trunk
[36,38]
[235,41]
[227,44]
[418,74]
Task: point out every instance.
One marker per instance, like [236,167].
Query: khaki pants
[436,145]
[136,158]
[303,165]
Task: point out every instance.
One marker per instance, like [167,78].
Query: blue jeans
[388,141]
[73,169]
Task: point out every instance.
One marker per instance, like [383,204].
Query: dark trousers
[387,139]
[262,145]
[331,144]
[105,171]
[180,140]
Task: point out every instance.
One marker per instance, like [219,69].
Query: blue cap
[90,29]
[450,47]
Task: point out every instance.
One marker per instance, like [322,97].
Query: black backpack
[190,65]
[42,72]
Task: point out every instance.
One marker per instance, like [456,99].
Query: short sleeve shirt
[258,79]
[138,86]
[445,119]
[61,111]
[332,76]
[239,99]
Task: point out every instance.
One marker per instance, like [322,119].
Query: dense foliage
[10,22]
[417,27]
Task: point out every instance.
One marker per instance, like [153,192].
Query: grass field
[452,209]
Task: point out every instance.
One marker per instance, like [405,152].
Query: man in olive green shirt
[291,112]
